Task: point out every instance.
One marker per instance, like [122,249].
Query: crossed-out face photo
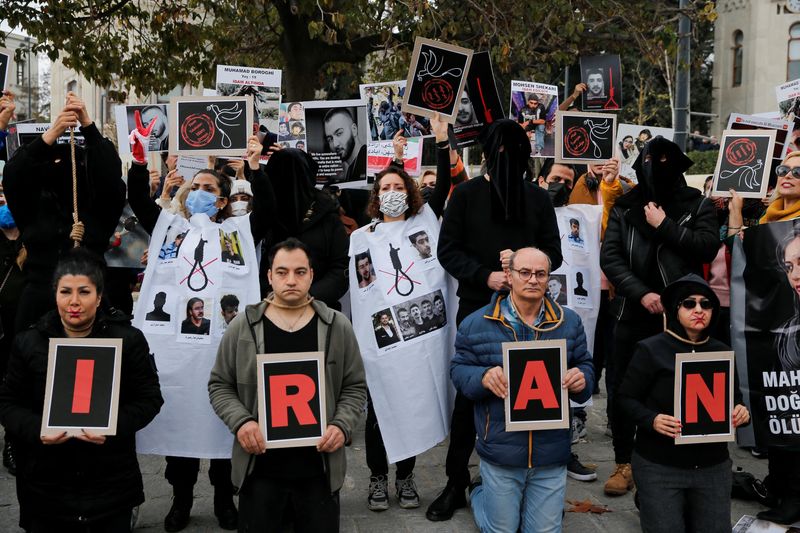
[418,316]
[365,271]
[385,329]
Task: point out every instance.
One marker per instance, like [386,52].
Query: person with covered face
[673,230]
[688,487]
[485,216]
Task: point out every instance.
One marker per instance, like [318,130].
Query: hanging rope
[77,226]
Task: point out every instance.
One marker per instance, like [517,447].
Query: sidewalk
[355,517]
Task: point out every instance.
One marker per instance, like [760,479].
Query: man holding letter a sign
[524,473]
[301,392]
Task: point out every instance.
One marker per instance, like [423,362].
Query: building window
[793,64]
[738,56]
[20,73]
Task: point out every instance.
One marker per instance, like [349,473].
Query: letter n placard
[704,397]
[82,386]
[535,370]
[291,398]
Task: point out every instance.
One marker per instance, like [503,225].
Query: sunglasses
[784,170]
[691,303]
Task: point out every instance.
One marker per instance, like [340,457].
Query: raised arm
[442,188]
[142,204]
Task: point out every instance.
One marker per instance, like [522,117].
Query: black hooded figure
[680,487]
[486,215]
[640,258]
[300,210]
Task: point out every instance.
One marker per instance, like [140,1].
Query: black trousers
[182,472]
[376,451]
[262,502]
[117,523]
[784,472]
[603,340]
[626,335]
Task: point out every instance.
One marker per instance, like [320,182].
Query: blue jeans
[510,497]
[539,137]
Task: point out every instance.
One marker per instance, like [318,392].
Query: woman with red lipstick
[680,488]
[89,482]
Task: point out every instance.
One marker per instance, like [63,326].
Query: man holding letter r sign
[290,408]
[531,464]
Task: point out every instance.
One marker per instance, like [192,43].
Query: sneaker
[576,470]
[621,481]
[9,458]
[378,499]
[759,453]
[407,492]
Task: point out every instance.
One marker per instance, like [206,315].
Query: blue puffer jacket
[479,347]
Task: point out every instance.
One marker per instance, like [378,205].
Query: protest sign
[743,163]
[479,103]
[534,106]
[380,154]
[188,166]
[125,115]
[631,138]
[128,243]
[23,133]
[82,386]
[6,60]
[436,78]
[385,112]
[788,95]
[210,125]
[262,84]
[291,398]
[534,371]
[783,129]
[603,78]
[584,137]
[703,397]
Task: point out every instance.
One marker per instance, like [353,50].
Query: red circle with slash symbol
[576,141]
[437,94]
[197,130]
[741,152]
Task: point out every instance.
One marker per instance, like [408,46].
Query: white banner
[404,314]
[194,266]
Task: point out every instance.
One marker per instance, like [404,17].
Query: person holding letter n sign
[307,478]
[524,473]
[87,482]
[681,488]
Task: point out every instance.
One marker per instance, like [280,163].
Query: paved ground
[595,449]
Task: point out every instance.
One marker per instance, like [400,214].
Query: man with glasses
[523,473]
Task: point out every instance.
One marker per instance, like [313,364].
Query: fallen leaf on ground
[586,506]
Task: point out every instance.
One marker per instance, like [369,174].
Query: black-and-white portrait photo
[365,271]
[557,288]
[421,315]
[336,137]
[421,243]
[603,78]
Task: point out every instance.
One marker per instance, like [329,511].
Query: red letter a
[535,372]
[714,403]
[281,401]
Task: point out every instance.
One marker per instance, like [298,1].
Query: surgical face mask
[201,201]
[393,203]
[6,220]
[559,194]
[239,209]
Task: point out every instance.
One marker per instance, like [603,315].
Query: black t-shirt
[289,463]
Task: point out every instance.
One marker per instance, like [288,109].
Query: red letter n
[714,403]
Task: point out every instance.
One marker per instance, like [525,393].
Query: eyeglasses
[691,303]
[785,170]
[525,274]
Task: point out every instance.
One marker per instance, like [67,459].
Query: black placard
[585,137]
[217,125]
[5,65]
[743,163]
[479,103]
[603,78]
[704,396]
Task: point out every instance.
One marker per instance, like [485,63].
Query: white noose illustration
[748,174]
[597,132]
[432,65]
[223,117]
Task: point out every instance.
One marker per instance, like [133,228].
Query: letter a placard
[82,387]
[291,398]
[704,397]
[535,370]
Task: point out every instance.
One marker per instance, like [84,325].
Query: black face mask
[426,193]
[559,193]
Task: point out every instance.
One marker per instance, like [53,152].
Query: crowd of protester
[499,239]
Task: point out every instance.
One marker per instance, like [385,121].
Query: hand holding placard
[332,440]
[495,381]
[251,439]
[668,426]
[574,380]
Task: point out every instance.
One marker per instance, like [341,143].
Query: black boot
[225,510]
[446,504]
[788,512]
[9,460]
[178,516]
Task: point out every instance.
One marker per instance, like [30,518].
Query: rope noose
[77,226]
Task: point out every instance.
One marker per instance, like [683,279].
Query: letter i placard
[704,397]
[534,371]
[291,398]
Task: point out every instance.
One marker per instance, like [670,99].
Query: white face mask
[393,203]
[239,209]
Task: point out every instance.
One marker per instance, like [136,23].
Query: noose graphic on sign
[398,270]
[198,266]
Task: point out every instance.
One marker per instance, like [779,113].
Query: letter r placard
[704,397]
[534,371]
[291,398]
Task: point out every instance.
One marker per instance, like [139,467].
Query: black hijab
[658,180]
[507,150]
[292,174]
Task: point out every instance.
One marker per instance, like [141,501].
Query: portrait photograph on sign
[479,103]
[436,78]
[336,138]
[603,78]
[82,387]
[783,128]
[585,137]
[262,84]
[386,115]
[128,121]
[631,138]
[743,163]
[704,397]
[6,59]
[210,125]
[291,398]
[534,371]
[534,106]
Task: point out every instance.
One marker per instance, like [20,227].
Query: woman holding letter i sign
[680,488]
[87,481]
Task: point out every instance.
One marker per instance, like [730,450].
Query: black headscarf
[292,174]
[658,181]
[679,290]
[507,150]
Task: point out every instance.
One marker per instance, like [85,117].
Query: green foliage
[704,162]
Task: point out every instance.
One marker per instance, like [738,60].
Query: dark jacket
[37,182]
[471,239]
[479,347]
[79,479]
[638,259]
